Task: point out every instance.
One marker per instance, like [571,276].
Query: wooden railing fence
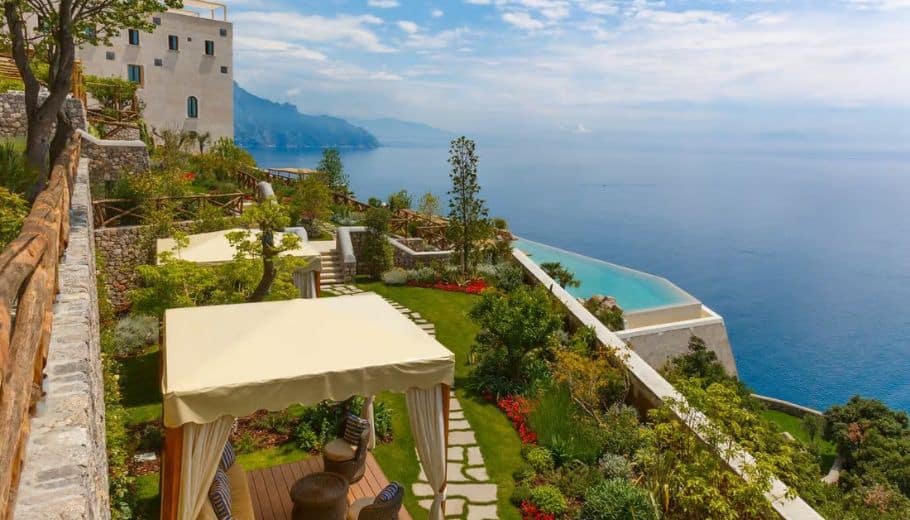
[28,286]
[124,212]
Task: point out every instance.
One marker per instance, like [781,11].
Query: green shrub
[615,466]
[621,434]
[505,276]
[521,493]
[279,422]
[617,500]
[549,499]
[382,414]
[540,459]
[400,200]
[377,251]
[150,437]
[13,210]
[305,438]
[396,276]
[15,173]
[561,427]
[525,472]
[424,275]
[576,478]
[11,85]
[245,443]
[133,333]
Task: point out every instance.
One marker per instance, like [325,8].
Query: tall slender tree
[59,27]
[468,213]
[332,167]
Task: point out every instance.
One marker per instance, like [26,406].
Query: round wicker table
[320,496]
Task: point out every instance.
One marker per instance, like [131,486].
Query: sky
[577,69]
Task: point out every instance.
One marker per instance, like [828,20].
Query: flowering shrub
[531,512]
[472,287]
[517,409]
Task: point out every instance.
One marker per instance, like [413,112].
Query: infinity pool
[633,290]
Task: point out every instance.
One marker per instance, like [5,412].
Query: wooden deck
[270,487]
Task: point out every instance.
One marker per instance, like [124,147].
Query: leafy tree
[312,201]
[563,276]
[65,25]
[595,383]
[517,333]
[269,218]
[428,205]
[400,200]
[377,251]
[333,169]
[467,211]
[202,139]
[115,95]
[701,364]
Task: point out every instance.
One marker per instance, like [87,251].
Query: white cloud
[598,7]
[437,13]
[248,43]
[383,4]
[439,40]
[408,26]
[478,2]
[352,31]
[879,5]
[581,129]
[522,20]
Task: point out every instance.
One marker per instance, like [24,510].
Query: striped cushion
[220,495]
[353,427]
[227,456]
[388,493]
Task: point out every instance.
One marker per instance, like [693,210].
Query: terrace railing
[125,212]
[28,286]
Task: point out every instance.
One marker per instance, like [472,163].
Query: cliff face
[259,122]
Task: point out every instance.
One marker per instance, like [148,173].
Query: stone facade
[406,257]
[12,114]
[123,249]
[350,242]
[112,159]
[65,470]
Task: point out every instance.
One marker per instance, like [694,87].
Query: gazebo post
[171,470]
[317,277]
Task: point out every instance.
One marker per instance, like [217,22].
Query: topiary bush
[617,499]
[540,459]
[396,276]
[615,466]
[134,333]
[549,499]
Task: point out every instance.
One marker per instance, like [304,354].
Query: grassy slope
[498,441]
[794,426]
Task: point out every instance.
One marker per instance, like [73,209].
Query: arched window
[192,107]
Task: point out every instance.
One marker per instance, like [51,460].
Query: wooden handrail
[112,212]
[28,280]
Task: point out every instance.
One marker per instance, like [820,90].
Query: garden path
[471,493]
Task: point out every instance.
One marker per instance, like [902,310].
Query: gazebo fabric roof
[214,248]
[236,359]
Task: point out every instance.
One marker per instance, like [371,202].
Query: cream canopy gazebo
[228,361]
[214,248]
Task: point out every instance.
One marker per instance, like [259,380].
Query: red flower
[472,287]
[189,176]
[531,512]
[517,409]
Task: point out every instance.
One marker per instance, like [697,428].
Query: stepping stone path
[470,493]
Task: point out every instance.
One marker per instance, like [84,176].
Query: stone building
[184,67]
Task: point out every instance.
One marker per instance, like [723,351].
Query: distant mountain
[261,123]
[395,132]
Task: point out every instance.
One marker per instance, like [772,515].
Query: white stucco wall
[183,73]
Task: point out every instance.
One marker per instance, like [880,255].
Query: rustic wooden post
[171,471]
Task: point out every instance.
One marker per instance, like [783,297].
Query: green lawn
[498,441]
[794,426]
[141,387]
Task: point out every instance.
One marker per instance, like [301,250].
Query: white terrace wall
[650,389]
[65,470]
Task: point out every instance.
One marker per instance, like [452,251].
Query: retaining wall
[13,122]
[113,159]
[65,470]
[787,407]
[349,241]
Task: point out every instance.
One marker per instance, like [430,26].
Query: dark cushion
[388,493]
[353,427]
[220,495]
[228,457]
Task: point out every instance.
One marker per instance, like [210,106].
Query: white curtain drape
[426,411]
[369,414]
[202,447]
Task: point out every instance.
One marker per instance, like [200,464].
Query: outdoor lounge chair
[346,459]
[367,509]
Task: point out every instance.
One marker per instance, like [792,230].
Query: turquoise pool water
[633,290]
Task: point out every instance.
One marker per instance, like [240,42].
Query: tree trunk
[268,276]
[61,136]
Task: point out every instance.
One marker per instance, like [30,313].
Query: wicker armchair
[345,459]
[366,509]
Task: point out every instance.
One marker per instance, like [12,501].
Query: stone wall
[12,114]
[112,159]
[408,258]
[122,250]
[65,469]
[350,241]
[658,344]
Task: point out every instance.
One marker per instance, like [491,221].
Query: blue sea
[806,254]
